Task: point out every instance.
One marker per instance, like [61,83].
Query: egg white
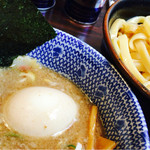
[40,111]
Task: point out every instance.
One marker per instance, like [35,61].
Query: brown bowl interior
[125,9]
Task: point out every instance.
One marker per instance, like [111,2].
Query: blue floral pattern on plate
[119,109]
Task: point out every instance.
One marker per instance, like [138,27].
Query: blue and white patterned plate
[120,111]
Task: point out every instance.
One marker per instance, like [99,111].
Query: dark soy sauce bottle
[44,4]
[84,11]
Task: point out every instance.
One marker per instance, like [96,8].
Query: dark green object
[22,28]
[12,134]
[71,146]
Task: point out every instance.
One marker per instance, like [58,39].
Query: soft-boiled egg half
[40,111]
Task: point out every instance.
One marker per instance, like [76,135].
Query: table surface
[93,35]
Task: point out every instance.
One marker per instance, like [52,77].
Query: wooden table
[93,35]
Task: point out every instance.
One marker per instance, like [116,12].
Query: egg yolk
[40,111]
